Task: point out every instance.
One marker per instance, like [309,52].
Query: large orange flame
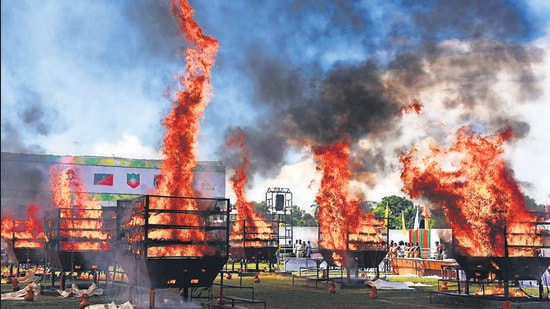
[21,233]
[182,123]
[248,221]
[180,141]
[471,183]
[80,218]
[342,223]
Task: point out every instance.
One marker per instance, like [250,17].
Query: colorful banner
[26,177]
[422,237]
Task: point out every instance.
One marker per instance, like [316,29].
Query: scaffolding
[279,204]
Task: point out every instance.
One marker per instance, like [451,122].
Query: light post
[387,220]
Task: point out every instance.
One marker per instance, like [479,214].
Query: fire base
[180,272]
[357,259]
[474,301]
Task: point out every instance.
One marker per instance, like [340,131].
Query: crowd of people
[302,249]
[403,249]
[412,250]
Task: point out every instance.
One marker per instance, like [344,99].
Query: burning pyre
[172,237]
[164,247]
[25,238]
[252,237]
[348,236]
[495,235]
[82,231]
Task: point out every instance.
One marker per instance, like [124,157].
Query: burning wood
[159,232]
[25,238]
[183,121]
[249,229]
[172,238]
[82,231]
[471,183]
[24,233]
[174,252]
[344,227]
[495,236]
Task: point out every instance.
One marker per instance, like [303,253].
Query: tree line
[397,206]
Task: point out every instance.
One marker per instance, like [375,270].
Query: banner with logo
[26,177]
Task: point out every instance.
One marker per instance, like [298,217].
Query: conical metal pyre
[172,242]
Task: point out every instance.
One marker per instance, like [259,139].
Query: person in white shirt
[545,281]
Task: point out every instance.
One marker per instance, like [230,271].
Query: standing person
[301,249]
[308,249]
[278,255]
[545,282]
[394,250]
[388,257]
[438,251]
[443,250]
[295,249]
[401,249]
[274,260]
[416,253]
[408,249]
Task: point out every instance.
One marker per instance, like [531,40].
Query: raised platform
[420,267]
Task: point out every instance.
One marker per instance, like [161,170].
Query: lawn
[277,290]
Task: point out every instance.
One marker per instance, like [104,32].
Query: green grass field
[277,290]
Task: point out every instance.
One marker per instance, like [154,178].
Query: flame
[498,290]
[180,143]
[80,219]
[248,222]
[182,123]
[477,193]
[415,106]
[24,233]
[342,223]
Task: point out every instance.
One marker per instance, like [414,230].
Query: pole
[505,275]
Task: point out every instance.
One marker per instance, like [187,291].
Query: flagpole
[416,220]
[403,227]
[387,218]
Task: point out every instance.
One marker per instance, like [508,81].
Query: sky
[95,77]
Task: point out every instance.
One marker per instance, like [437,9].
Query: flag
[403,223]
[387,216]
[416,220]
[426,218]
[103,179]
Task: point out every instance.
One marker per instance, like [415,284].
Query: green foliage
[396,205]
[296,217]
[300,217]
[533,206]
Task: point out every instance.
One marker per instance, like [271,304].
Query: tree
[532,205]
[396,205]
[302,218]
[297,216]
